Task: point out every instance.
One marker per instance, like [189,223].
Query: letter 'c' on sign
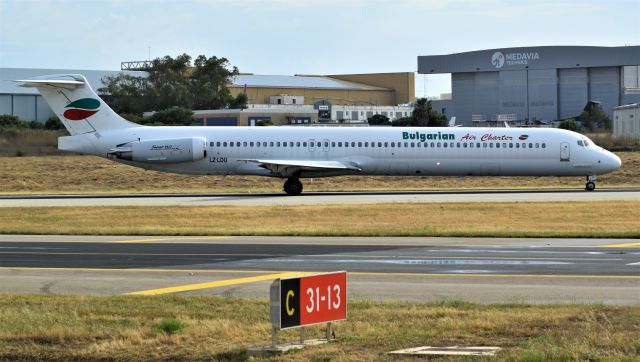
[290,311]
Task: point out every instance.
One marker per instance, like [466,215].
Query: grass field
[563,219]
[89,174]
[46,327]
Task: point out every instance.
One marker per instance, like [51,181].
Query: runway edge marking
[623,245]
[218,283]
[169,239]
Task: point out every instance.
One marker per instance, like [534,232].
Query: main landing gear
[591,185]
[293,186]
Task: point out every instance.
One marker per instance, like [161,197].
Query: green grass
[170,325]
[46,327]
[606,219]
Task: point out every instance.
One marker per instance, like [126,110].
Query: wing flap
[305,165]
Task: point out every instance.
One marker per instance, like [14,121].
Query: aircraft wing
[292,166]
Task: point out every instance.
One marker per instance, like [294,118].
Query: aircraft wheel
[293,187]
[590,186]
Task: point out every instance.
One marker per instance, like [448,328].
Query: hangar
[535,83]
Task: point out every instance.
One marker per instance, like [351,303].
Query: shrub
[570,124]
[170,325]
[53,123]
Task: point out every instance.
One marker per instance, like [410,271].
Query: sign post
[303,301]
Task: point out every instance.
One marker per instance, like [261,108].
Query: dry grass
[40,327]
[88,174]
[29,142]
[562,219]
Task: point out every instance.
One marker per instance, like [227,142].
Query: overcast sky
[301,36]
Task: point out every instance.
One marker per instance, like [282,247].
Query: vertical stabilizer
[77,105]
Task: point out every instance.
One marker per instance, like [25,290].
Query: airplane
[294,153]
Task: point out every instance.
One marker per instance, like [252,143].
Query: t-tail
[77,105]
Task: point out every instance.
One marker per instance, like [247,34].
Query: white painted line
[638,263]
[455,351]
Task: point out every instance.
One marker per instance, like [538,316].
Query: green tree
[176,116]
[420,114]
[569,124]
[402,122]
[378,120]
[238,102]
[173,82]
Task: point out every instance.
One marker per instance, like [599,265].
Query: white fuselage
[452,151]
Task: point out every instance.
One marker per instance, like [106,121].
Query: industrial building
[535,83]
[626,121]
[302,98]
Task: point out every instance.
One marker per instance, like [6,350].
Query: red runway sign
[313,299]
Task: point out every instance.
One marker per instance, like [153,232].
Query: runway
[410,269]
[320,198]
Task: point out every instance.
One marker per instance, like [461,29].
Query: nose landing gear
[293,186]
[591,185]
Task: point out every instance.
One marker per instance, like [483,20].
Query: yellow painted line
[623,245]
[219,283]
[148,240]
[428,275]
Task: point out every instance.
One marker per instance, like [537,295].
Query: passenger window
[326,144]
[432,145]
[484,145]
[224,144]
[491,145]
[277,144]
[346,144]
[264,144]
[373,144]
[393,144]
[445,144]
[544,145]
[537,145]
[413,145]
[319,144]
[379,144]
[517,145]
[250,144]
[210,144]
[257,144]
[471,145]
[478,145]
[438,144]
[366,144]
[339,144]
[458,145]
[304,144]
[504,145]
[386,145]
[497,145]
[353,144]
[244,144]
[510,145]
[530,145]
[359,144]
[284,144]
[333,144]
[464,145]
[418,144]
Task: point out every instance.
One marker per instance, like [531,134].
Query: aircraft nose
[613,162]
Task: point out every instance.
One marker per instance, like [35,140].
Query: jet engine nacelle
[173,150]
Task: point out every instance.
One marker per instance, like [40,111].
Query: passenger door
[564,151]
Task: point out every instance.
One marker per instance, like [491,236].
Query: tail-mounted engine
[172,150]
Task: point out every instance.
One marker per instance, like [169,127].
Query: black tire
[590,186]
[293,187]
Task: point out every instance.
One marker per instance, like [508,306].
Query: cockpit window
[586,143]
[580,143]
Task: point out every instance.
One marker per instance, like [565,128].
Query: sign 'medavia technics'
[302,301]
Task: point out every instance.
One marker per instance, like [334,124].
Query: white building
[626,121]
